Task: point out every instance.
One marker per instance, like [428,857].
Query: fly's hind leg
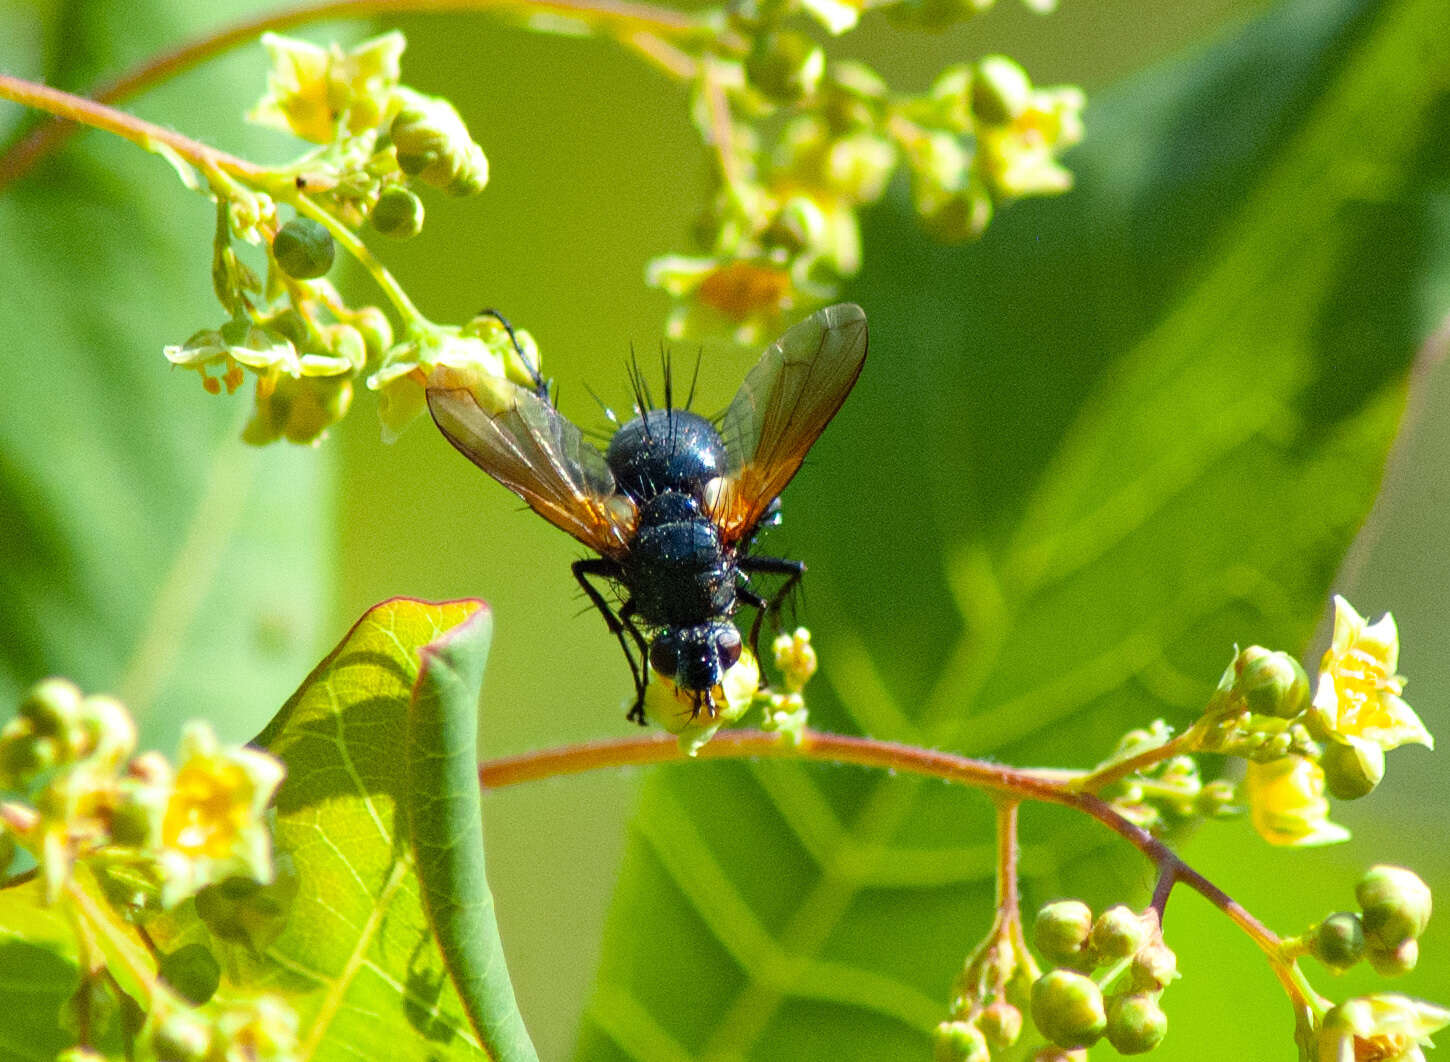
[618,624]
[791,569]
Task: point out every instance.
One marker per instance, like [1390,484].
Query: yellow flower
[1383,1028]
[676,710]
[443,357]
[1287,804]
[312,90]
[213,826]
[1019,158]
[1358,696]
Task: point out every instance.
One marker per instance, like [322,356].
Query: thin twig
[623,18]
[995,779]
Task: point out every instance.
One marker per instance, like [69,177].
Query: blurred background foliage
[145,551]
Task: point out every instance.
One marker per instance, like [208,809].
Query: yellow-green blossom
[1287,805]
[678,711]
[213,826]
[1019,158]
[749,297]
[1382,1028]
[466,361]
[1358,696]
[795,658]
[314,92]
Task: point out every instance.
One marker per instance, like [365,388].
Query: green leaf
[1132,427]
[144,550]
[378,825]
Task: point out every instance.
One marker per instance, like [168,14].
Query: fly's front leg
[604,568]
[791,569]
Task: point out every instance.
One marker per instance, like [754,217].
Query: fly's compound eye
[664,655]
[727,645]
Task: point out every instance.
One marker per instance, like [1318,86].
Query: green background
[257,562]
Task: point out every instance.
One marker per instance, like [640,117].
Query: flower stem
[620,18]
[142,133]
[1008,784]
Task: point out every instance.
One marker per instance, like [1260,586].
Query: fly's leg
[604,568]
[541,386]
[791,569]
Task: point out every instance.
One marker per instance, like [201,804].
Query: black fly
[674,502]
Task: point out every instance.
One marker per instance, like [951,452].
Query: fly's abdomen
[678,574]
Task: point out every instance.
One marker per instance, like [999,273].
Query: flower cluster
[782,231]
[291,329]
[1301,748]
[1073,1006]
[155,833]
[989,995]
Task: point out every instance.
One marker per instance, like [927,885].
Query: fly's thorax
[666,450]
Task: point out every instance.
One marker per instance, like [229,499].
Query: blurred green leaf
[378,824]
[144,551]
[1132,427]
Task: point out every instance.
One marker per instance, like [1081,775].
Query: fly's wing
[782,408]
[528,446]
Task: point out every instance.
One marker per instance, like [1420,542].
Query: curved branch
[995,779]
[628,19]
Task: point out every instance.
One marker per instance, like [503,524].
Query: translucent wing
[782,408]
[527,445]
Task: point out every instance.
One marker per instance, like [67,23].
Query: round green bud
[958,1041]
[376,330]
[434,145]
[1154,967]
[1136,1023]
[931,14]
[1001,1024]
[1396,905]
[785,66]
[52,706]
[304,249]
[397,213]
[1118,933]
[182,1036]
[962,216]
[241,911]
[1067,1008]
[1062,930]
[1001,90]
[193,971]
[1352,770]
[1271,683]
[1393,962]
[1338,941]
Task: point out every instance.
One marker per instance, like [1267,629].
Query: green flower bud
[958,1041]
[1392,963]
[1062,930]
[933,14]
[961,216]
[785,66]
[193,971]
[1001,90]
[433,145]
[1338,941]
[1154,967]
[52,707]
[1396,905]
[303,249]
[1118,933]
[1271,683]
[1216,799]
[398,213]
[182,1036]
[1136,1023]
[110,731]
[241,911]
[1352,770]
[1001,1024]
[1067,1008]
[376,330]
